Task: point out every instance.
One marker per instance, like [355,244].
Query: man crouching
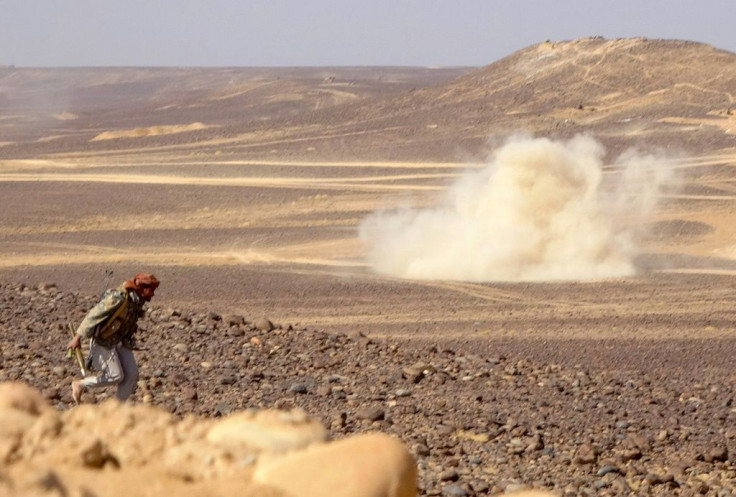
[111,325]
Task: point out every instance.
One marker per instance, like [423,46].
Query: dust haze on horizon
[540,210]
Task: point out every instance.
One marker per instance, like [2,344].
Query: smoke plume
[537,212]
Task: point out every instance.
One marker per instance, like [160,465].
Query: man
[111,325]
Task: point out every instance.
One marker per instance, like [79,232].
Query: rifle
[76,353]
[108,273]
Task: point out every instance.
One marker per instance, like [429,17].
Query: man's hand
[75,342]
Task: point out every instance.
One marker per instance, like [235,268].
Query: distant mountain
[660,92]
[624,91]
[48,110]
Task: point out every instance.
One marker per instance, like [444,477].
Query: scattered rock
[486,419]
[370,413]
[716,454]
[263,324]
[586,454]
[608,469]
[454,491]
[298,388]
[448,475]
[233,319]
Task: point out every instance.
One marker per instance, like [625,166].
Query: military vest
[121,324]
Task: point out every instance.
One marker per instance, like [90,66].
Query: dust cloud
[539,211]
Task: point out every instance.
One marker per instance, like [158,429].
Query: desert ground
[244,190]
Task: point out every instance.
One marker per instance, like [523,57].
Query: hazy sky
[333,32]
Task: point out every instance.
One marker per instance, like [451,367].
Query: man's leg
[130,373]
[107,362]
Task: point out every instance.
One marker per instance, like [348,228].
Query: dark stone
[228,380]
[298,388]
[454,490]
[222,409]
[370,413]
[608,469]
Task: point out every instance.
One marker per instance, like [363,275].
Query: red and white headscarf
[141,280]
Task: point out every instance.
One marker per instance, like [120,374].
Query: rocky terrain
[476,424]
[244,190]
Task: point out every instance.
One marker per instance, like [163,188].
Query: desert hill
[65,108]
[616,89]
[621,90]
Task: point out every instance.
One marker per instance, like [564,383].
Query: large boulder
[268,430]
[369,465]
[21,406]
[22,397]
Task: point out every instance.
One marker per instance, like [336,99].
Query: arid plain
[247,192]
[243,189]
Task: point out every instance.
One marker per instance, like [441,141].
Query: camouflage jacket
[98,323]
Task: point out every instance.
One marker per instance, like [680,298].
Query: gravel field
[478,422]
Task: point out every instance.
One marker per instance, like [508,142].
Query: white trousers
[115,366]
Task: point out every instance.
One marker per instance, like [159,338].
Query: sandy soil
[280,240]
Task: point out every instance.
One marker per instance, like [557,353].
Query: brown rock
[13,424]
[369,465]
[268,430]
[324,390]
[716,454]
[448,475]
[263,324]
[414,375]
[421,450]
[630,454]
[22,397]
[637,441]
[530,493]
[370,413]
[233,319]
[586,454]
